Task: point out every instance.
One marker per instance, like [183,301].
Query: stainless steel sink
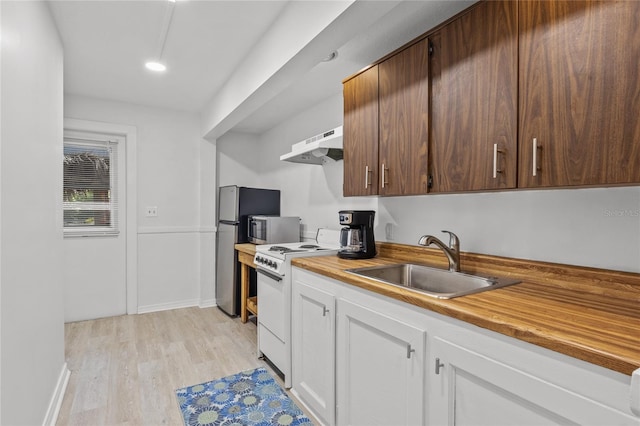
[434,282]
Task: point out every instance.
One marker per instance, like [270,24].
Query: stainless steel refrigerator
[235,204]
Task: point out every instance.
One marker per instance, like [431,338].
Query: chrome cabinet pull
[439,365]
[325,311]
[496,170]
[410,350]
[536,147]
[366,177]
[384,175]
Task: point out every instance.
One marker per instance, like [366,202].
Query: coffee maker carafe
[356,239]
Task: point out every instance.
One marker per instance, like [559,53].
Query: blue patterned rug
[249,398]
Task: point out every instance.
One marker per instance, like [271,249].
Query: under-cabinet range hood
[319,149]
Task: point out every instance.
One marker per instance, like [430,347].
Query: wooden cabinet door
[473,389]
[313,350]
[380,369]
[474,100]
[579,93]
[404,121]
[360,137]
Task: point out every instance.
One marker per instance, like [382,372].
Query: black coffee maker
[356,239]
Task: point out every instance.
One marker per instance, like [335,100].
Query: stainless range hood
[319,149]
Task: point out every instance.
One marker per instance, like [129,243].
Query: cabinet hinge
[430,182]
[430,48]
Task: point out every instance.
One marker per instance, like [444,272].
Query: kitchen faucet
[452,252]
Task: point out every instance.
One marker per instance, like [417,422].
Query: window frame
[102,142]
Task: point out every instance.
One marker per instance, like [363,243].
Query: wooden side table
[246,252]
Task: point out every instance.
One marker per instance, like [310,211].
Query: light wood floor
[124,370]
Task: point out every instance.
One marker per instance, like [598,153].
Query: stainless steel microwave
[274,229]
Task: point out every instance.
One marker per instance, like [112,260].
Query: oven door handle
[269,274]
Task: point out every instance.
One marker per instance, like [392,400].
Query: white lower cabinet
[353,365]
[380,368]
[360,358]
[313,350]
[468,387]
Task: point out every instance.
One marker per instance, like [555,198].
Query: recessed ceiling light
[155,66]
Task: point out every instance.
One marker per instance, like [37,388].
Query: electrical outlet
[388,231]
[152,211]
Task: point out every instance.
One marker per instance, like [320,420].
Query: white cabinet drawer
[272,347]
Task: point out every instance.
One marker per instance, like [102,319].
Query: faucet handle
[454,241]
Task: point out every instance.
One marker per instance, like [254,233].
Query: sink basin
[434,282]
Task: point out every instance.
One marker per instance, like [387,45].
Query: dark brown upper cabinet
[404,121]
[526,94]
[474,98]
[386,127]
[579,93]
[360,134]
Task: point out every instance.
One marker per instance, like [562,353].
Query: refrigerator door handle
[229,222]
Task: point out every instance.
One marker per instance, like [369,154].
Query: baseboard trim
[209,303]
[168,306]
[53,410]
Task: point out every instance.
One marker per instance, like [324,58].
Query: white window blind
[90,199]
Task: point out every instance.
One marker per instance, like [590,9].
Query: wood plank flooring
[124,370]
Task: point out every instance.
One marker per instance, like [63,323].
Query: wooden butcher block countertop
[246,248]
[587,313]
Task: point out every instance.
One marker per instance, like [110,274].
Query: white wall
[597,227]
[312,192]
[207,223]
[168,176]
[237,160]
[32,335]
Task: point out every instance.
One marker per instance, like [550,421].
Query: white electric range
[273,263]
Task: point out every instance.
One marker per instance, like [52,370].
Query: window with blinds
[90,199]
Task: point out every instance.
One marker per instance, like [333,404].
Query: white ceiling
[107,42]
